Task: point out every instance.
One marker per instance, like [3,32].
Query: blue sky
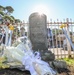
[55,9]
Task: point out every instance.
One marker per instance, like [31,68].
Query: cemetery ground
[18,72]
[68,71]
[70,67]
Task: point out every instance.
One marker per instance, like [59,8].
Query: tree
[1,13]
[8,18]
[9,9]
[12,17]
[17,20]
[5,15]
[1,17]
[1,8]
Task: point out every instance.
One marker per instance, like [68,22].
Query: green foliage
[17,20]
[12,17]
[2,64]
[5,12]
[69,61]
[9,9]
[1,8]
[8,18]
[1,13]
[57,31]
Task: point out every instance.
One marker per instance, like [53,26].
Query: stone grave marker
[38,31]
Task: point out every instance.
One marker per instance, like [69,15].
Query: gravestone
[22,31]
[38,31]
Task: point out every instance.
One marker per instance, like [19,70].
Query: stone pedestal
[38,31]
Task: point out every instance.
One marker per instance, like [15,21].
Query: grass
[2,64]
[69,61]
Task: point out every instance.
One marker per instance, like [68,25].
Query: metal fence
[57,41]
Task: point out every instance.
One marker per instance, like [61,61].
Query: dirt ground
[13,72]
[70,71]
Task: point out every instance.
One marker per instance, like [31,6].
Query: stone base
[56,64]
[40,46]
[47,55]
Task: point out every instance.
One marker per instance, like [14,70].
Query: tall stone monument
[38,31]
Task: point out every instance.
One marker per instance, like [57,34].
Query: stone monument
[38,31]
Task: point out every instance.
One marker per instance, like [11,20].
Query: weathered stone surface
[58,64]
[22,31]
[38,31]
[47,55]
